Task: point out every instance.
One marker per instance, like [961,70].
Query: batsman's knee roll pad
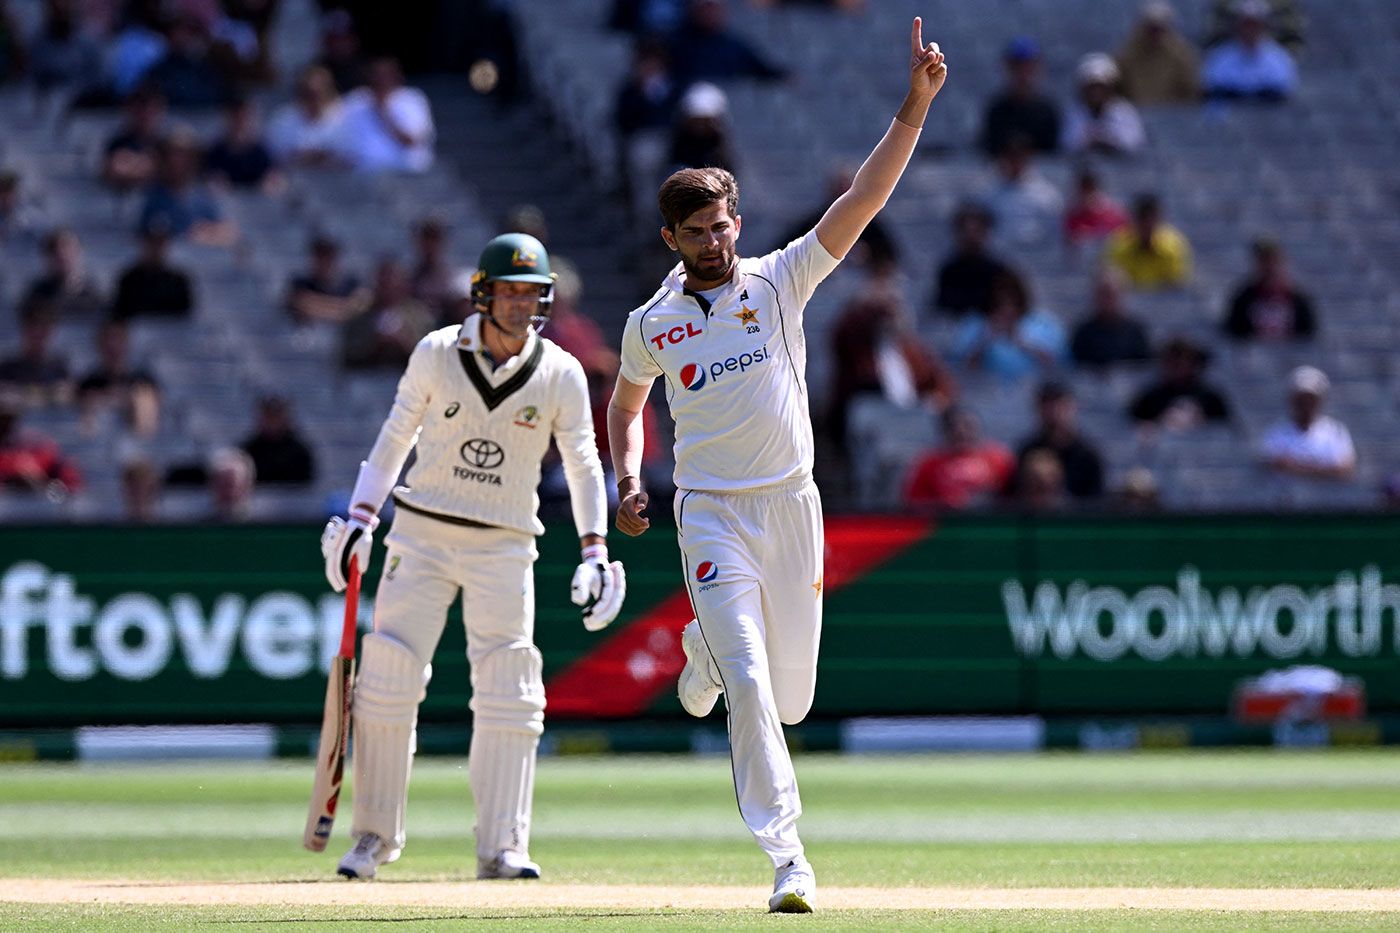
[508,690]
[392,680]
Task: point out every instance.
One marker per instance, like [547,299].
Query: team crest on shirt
[749,318]
[527,417]
[393,567]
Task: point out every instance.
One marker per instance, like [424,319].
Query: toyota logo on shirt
[482,453]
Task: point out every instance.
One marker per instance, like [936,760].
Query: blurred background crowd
[1144,258]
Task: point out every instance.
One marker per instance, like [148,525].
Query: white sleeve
[573,433]
[638,364]
[413,114]
[400,430]
[799,268]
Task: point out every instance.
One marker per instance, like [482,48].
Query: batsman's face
[515,303]
[707,241]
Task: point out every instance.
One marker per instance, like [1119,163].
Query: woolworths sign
[969,615]
[1354,616]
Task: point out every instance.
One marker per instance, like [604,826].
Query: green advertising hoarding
[1074,616]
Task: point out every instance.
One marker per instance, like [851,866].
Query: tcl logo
[676,335]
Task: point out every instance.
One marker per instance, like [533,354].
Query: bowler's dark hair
[692,189]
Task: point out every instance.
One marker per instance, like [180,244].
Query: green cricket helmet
[514,257]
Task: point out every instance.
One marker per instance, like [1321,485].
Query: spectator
[874,250]
[141,487]
[1157,64]
[13,57]
[324,292]
[385,334]
[432,274]
[1151,252]
[706,49]
[966,277]
[1390,492]
[239,158]
[237,30]
[36,375]
[1021,110]
[877,353]
[966,471]
[1059,434]
[179,202]
[139,44]
[279,453]
[1025,205]
[387,127]
[306,130]
[340,51]
[1109,334]
[1138,493]
[1285,23]
[186,75]
[645,18]
[1180,398]
[232,476]
[1309,443]
[20,218]
[1092,214]
[64,286]
[151,286]
[30,462]
[1252,65]
[701,138]
[647,99]
[1041,485]
[130,158]
[1268,306]
[1102,121]
[643,114]
[63,55]
[116,384]
[1013,340]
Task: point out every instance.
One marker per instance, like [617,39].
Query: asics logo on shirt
[694,376]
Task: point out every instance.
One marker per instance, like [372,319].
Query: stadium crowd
[352,111]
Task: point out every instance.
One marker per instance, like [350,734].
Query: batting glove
[599,587]
[342,540]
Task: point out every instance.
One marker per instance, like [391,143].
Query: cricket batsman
[481,400]
[726,334]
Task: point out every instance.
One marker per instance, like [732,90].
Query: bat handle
[352,610]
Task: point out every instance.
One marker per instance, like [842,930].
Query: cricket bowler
[726,334]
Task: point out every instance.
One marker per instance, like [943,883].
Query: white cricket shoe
[364,859]
[793,887]
[506,864]
[699,685]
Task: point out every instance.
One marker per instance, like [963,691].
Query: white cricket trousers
[428,561]
[753,565]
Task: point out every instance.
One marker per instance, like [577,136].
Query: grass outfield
[889,837]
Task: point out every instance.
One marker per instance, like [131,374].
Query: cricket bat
[335,725]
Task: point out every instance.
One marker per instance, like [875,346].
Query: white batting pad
[508,690]
[502,770]
[391,683]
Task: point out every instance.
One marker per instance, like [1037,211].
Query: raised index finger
[917,36]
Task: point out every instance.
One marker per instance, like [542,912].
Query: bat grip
[352,610]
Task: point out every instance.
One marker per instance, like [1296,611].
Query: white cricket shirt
[481,433]
[735,367]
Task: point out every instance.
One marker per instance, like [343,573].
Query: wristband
[595,554]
